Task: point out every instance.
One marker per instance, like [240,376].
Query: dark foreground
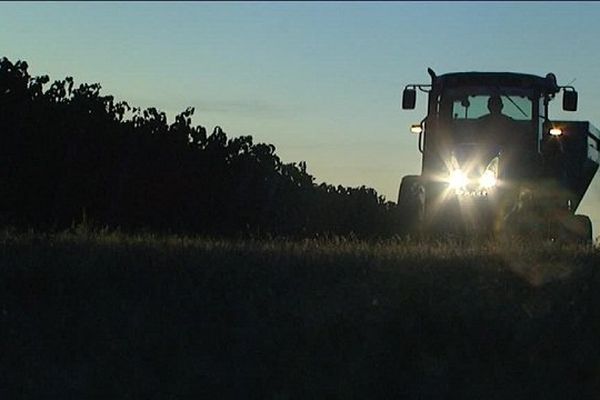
[112,316]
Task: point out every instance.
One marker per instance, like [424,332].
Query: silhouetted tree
[69,152]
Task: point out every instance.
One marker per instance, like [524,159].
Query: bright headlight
[458,179]
[488,179]
[556,131]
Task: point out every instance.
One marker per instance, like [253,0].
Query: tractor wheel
[576,229]
[585,229]
[411,205]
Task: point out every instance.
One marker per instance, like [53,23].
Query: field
[109,315]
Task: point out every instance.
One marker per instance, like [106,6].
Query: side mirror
[569,100]
[409,98]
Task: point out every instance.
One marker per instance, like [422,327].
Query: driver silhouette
[497,129]
[495,106]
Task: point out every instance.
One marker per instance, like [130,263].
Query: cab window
[475,106]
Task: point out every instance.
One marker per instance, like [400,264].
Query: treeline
[70,154]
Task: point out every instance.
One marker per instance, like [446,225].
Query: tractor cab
[488,113]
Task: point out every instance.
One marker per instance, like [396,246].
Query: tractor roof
[506,79]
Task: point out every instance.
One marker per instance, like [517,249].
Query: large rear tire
[580,229]
[411,205]
[574,229]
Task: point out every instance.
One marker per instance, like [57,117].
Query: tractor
[494,162]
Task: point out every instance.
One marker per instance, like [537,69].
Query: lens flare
[487,180]
[458,179]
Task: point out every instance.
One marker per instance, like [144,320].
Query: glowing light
[556,131]
[488,179]
[416,128]
[458,179]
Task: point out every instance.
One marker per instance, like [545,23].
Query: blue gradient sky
[321,81]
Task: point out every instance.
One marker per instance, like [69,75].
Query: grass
[110,315]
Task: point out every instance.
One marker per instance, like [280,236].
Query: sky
[322,81]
